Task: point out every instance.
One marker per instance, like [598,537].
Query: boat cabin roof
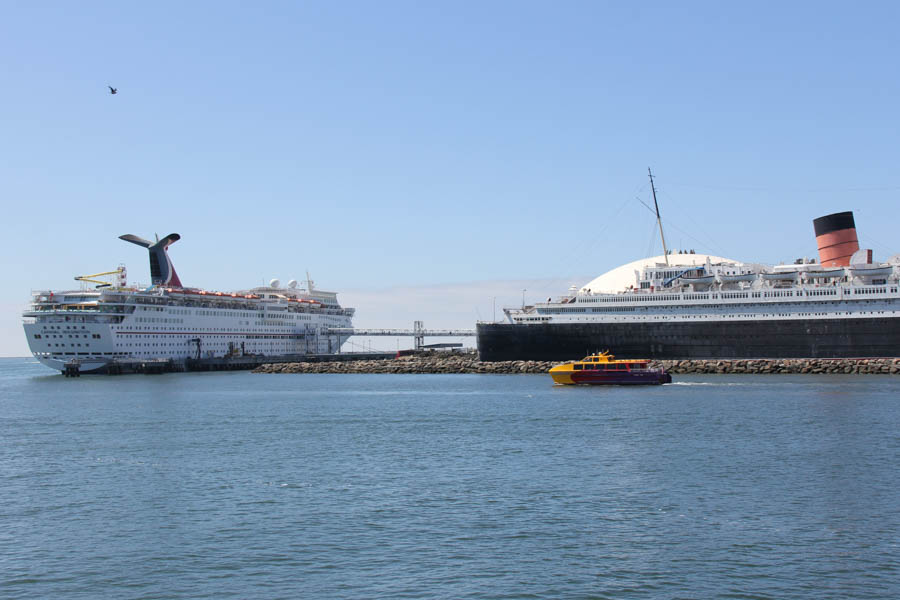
[606,357]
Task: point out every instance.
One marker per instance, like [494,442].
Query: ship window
[577,367]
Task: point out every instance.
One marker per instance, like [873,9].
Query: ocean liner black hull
[794,338]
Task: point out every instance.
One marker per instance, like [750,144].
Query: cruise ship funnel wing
[162,272]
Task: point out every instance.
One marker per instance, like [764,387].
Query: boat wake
[711,383]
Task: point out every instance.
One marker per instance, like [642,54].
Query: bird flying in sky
[112,90]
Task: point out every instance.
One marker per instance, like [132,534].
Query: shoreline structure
[456,362]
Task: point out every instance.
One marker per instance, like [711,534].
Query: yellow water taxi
[604,369]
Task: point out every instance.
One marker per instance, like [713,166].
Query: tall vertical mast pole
[658,220]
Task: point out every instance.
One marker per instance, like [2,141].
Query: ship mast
[658,220]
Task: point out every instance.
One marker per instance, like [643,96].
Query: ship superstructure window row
[807,293]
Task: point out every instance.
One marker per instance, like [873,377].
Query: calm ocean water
[235,485]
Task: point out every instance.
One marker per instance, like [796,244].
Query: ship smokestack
[836,238]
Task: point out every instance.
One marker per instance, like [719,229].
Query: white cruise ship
[109,321]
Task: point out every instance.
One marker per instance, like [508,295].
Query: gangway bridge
[418,333]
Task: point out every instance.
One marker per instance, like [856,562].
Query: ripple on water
[471,487]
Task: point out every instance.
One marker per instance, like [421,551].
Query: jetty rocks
[868,366]
[447,362]
[431,362]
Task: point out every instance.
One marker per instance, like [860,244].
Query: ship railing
[361,331]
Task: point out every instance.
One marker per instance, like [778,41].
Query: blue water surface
[241,485]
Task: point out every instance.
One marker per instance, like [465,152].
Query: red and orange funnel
[836,238]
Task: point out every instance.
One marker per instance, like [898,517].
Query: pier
[418,333]
[243,363]
[217,363]
[238,361]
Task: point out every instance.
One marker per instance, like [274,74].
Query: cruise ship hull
[789,338]
[87,366]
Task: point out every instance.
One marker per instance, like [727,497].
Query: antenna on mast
[658,220]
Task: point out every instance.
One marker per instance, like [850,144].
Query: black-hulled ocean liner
[685,305]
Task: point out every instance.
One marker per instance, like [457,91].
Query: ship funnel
[836,238]
[161,270]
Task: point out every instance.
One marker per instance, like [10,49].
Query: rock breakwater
[469,363]
[868,366]
[452,363]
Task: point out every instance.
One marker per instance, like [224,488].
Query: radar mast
[658,220]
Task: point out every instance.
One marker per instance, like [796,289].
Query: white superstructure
[697,287]
[92,327]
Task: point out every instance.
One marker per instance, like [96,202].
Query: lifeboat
[738,278]
[825,273]
[701,279]
[872,271]
[604,369]
[781,276]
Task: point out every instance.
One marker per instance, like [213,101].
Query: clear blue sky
[388,145]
